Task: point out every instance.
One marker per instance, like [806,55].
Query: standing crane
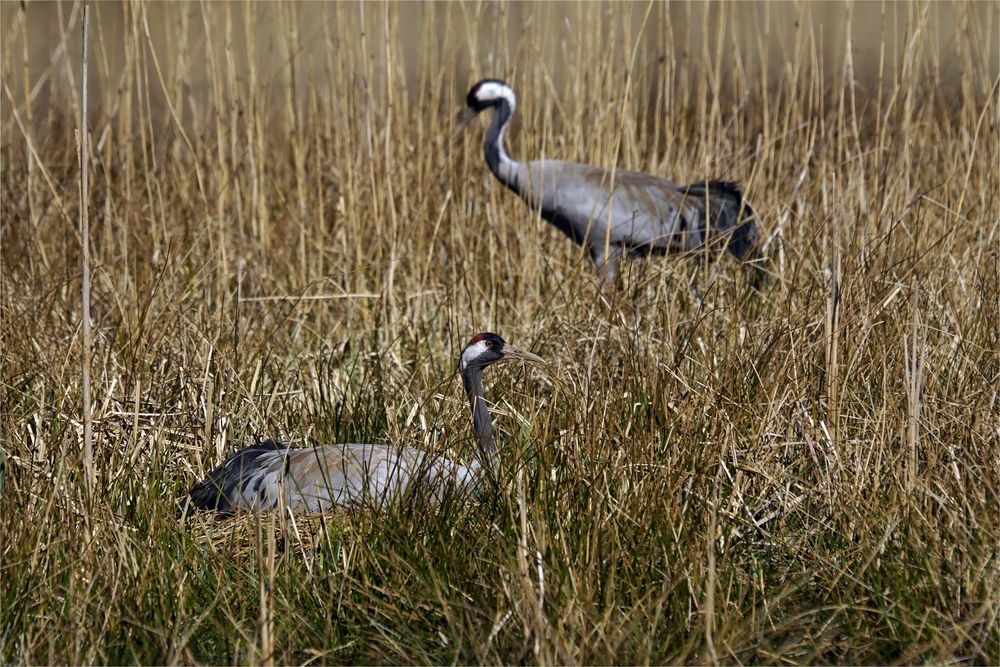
[617,212]
[318,478]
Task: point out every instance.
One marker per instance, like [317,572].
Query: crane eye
[489,343]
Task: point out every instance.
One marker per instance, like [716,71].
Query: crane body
[268,474]
[313,479]
[617,212]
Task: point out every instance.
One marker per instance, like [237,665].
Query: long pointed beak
[464,117]
[511,353]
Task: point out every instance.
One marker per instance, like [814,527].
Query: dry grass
[288,241]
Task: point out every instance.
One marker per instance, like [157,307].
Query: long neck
[472,378]
[499,163]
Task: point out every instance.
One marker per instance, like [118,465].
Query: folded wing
[644,213]
[319,478]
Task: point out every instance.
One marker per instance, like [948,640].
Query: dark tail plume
[221,488]
[739,221]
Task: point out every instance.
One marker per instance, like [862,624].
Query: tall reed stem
[82,138]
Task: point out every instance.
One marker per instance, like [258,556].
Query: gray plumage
[267,474]
[626,212]
[317,478]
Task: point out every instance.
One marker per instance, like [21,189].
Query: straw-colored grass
[288,240]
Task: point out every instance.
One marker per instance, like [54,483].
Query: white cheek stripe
[472,352]
[491,91]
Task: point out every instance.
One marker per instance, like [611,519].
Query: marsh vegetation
[289,241]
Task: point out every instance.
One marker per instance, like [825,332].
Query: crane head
[486,349]
[485,94]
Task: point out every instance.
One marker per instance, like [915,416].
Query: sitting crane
[313,479]
[618,212]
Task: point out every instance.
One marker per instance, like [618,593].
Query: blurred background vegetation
[301,45]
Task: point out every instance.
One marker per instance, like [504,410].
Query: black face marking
[475,103]
[494,341]
[470,99]
[491,353]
